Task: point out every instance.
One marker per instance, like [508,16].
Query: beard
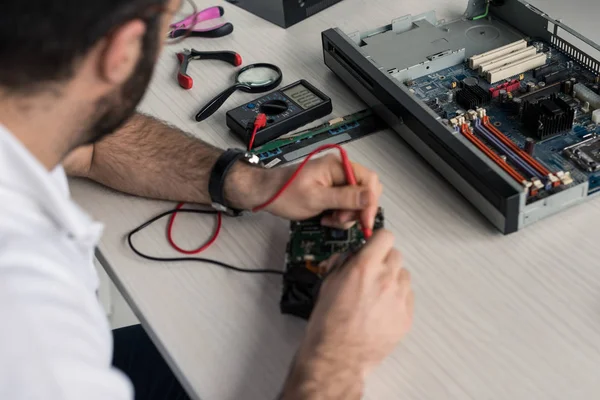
[115,109]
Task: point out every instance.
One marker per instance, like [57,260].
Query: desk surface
[497,317]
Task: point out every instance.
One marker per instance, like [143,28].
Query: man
[72,72]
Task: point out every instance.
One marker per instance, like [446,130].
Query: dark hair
[41,41]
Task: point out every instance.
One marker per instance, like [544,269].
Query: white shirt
[55,342]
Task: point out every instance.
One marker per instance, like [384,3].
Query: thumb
[346,198]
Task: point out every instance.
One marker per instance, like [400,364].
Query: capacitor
[450,97]
[529,146]
[541,84]
[436,100]
[530,87]
[470,81]
[568,87]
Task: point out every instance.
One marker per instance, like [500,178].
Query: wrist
[244,186]
[318,377]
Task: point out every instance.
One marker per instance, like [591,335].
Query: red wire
[345,162]
[252,138]
[200,249]
[259,122]
[350,177]
[348,171]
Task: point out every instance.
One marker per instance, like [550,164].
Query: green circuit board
[312,243]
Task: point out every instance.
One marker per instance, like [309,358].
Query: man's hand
[363,310]
[322,186]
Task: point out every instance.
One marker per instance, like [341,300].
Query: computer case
[375,63]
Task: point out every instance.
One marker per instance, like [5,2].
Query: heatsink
[547,117]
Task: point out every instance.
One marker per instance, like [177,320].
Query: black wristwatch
[216,182]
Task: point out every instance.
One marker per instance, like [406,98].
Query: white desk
[497,317]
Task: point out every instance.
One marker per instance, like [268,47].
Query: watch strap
[216,182]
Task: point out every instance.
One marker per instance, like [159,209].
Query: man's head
[99,54]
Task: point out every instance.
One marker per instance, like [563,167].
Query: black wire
[197,259]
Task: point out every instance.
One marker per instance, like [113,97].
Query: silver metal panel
[435,64]
[423,43]
[553,204]
[581,15]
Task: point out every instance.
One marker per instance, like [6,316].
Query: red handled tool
[186,81]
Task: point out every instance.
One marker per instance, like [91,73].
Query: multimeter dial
[274,107]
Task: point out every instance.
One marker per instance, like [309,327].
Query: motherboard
[310,246]
[529,107]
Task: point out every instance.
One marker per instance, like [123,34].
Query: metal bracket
[405,23]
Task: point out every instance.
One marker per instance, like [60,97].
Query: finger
[326,265]
[340,219]
[394,259]
[404,278]
[364,178]
[344,216]
[330,222]
[344,198]
[410,306]
[367,215]
[362,174]
[377,249]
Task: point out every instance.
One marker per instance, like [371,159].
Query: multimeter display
[302,96]
[286,109]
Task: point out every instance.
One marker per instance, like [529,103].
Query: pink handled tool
[189,23]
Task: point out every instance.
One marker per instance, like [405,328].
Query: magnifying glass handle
[212,106]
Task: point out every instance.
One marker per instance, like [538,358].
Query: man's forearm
[323,379]
[148,158]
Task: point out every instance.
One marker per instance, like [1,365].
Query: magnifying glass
[254,78]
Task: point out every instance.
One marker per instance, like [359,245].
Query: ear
[122,52]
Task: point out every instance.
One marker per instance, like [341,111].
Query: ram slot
[477,60]
[512,57]
[468,134]
[501,147]
[543,171]
[516,68]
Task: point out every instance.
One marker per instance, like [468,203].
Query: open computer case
[503,102]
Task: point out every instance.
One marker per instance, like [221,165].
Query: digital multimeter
[286,109]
